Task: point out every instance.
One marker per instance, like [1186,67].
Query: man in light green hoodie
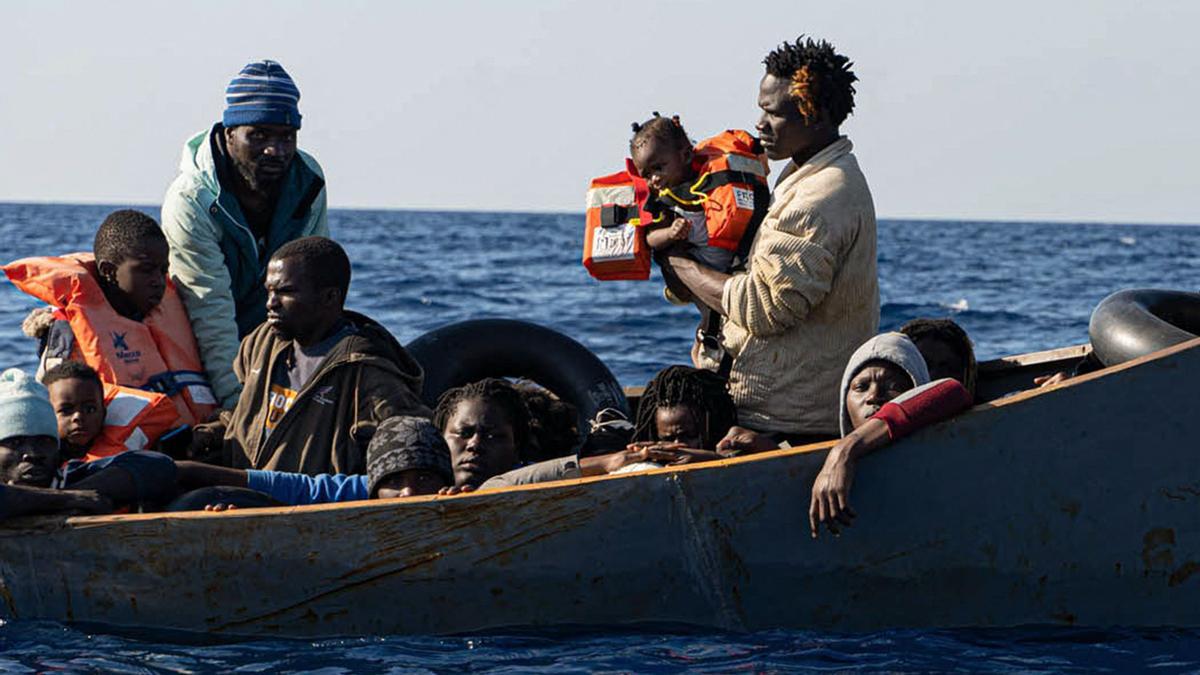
[244,189]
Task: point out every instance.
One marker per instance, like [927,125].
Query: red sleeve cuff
[942,400]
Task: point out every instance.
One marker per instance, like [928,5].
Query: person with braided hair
[486,424]
[810,291]
[685,405]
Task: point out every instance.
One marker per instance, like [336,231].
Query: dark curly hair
[949,332]
[553,423]
[703,391]
[323,259]
[124,233]
[667,129]
[821,78]
[72,370]
[493,390]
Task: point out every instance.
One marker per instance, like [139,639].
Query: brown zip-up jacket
[364,379]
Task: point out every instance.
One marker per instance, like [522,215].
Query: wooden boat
[1077,504]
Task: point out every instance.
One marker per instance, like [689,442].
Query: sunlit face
[678,424]
[873,385]
[297,309]
[661,163]
[261,153]
[410,483]
[781,128]
[28,460]
[482,441]
[141,276]
[79,407]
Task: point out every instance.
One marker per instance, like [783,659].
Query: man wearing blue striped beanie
[244,189]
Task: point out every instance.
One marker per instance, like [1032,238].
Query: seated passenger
[115,310]
[885,395]
[33,482]
[316,378]
[406,457]
[685,405]
[946,348]
[96,421]
[486,426]
[553,430]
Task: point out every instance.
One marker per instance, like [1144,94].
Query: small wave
[1127,240]
[960,305]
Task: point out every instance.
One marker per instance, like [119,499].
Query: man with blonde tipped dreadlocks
[810,294]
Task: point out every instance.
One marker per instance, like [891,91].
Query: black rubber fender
[1136,322]
[467,351]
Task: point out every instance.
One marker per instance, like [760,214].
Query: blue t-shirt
[298,489]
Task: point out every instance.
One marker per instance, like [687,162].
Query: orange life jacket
[134,419]
[730,186]
[157,354]
[731,189]
[614,244]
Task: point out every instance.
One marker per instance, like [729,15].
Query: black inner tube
[464,352]
[1133,323]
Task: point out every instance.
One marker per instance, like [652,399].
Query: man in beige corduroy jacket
[810,294]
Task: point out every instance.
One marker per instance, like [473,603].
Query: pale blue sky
[1011,110]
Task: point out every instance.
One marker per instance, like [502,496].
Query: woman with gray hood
[885,395]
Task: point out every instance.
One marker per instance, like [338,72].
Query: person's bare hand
[831,492]
[667,452]
[1048,380]
[218,508]
[207,439]
[456,489]
[680,229]
[739,441]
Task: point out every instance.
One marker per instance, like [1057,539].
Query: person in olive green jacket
[244,189]
[317,379]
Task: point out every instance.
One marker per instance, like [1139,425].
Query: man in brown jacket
[316,379]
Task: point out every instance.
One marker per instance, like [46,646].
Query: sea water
[1015,287]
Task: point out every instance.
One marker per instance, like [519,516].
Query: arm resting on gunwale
[912,410]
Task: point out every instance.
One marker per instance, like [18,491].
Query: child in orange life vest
[662,153]
[115,310]
[96,421]
[710,197]
[664,156]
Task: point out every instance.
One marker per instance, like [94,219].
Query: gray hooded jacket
[891,347]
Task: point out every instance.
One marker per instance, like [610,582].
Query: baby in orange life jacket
[115,310]
[97,420]
[711,196]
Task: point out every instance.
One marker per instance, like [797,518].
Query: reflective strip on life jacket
[745,164]
[158,352]
[614,244]
[133,420]
[616,194]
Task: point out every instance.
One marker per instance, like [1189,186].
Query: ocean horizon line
[580,214]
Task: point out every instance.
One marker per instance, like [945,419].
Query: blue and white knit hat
[263,93]
[25,408]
